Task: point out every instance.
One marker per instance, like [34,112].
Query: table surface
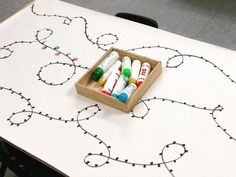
[183,126]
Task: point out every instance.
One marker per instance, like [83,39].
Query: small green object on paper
[44,47]
[57,47]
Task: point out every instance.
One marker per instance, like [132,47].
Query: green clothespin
[44,47]
[56,48]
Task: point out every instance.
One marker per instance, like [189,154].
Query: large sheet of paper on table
[184,126]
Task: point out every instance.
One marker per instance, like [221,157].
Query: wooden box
[90,89]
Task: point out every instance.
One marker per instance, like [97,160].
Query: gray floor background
[212,21]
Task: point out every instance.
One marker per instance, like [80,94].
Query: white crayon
[126,66]
[105,65]
[136,65]
[127,92]
[145,70]
[120,85]
[111,81]
[104,77]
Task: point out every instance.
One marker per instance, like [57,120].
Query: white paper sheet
[184,126]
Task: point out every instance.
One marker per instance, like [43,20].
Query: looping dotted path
[173,62]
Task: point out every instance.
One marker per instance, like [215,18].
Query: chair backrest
[138,18]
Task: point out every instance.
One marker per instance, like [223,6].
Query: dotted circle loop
[49,31]
[59,83]
[5,53]
[177,64]
[115,39]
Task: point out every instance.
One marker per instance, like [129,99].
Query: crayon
[104,77]
[136,65]
[120,85]
[111,81]
[127,92]
[105,65]
[126,66]
[145,69]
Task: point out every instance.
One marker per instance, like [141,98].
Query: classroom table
[183,126]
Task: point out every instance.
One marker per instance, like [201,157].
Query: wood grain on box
[90,89]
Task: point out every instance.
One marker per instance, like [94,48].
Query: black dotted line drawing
[182,57]
[45,115]
[22,97]
[162,47]
[87,160]
[30,110]
[202,59]
[144,101]
[135,164]
[78,119]
[224,130]
[43,42]
[212,111]
[68,20]
[7,52]
[108,157]
[58,52]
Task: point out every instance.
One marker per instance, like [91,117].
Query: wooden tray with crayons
[88,87]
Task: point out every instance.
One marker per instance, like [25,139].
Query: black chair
[22,164]
[2,170]
[138,18]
